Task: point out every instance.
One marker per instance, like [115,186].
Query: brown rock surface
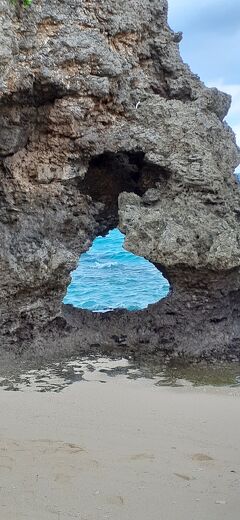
[96,104]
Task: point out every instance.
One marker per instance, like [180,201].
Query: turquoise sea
[108,277]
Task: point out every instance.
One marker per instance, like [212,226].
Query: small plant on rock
[20,4]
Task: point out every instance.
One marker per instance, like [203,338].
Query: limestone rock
[95,104]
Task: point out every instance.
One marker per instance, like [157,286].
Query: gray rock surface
[102,124]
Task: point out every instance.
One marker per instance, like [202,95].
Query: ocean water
[108,277]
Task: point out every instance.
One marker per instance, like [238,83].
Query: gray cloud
[211,41]
[224,16]
[207,16]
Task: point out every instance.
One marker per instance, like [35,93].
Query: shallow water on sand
[56,375]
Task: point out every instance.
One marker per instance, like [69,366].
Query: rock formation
[102,124]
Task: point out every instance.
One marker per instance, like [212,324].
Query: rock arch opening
[108,277]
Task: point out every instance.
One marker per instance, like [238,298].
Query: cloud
[205,15]
[211,36]
[236,129]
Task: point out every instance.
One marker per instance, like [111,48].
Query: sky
[211,45]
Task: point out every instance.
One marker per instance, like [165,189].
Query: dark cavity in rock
[111,174]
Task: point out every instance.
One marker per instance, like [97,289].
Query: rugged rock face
[103,124]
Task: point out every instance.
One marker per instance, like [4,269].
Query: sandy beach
[122,449]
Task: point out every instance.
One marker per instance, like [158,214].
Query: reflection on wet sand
[55,376]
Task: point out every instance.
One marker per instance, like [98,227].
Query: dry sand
[124,450]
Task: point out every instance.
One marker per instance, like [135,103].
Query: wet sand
[112,447]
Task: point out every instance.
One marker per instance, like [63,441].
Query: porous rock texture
[102,124]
